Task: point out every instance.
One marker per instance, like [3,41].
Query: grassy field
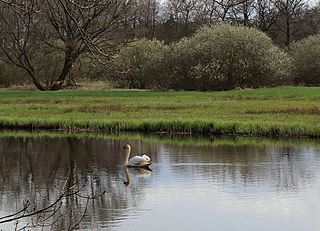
[284,111]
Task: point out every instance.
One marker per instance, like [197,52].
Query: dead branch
[45,217]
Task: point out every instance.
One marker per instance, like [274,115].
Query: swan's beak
[124,147]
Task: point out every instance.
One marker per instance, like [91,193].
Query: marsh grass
[182,140]
[273,112]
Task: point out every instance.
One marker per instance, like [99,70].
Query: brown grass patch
[41,101]
[302,111]
[126,107]
[240,97]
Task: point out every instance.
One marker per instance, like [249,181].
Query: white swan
[136,161]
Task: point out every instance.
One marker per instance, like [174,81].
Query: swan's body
[136,161]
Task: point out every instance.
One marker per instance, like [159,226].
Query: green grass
[182,140]
[283,111]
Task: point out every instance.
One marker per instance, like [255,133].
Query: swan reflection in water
[139,172]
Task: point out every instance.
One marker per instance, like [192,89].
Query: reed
[182,140]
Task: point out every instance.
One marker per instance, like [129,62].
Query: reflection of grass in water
[283,112]
[166,139]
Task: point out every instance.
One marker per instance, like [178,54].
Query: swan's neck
[127,155]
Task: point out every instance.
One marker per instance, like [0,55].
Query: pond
[204,184]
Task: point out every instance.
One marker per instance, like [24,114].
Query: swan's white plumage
[139,161]
[147,158]
[136,161]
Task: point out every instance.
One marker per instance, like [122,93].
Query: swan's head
[126,147]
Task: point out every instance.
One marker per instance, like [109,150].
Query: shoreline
[192,128]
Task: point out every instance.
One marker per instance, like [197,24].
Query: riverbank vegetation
[274,112]
[220,57]
[181,140]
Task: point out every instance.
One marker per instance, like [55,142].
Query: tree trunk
[57,85]
[288,31]
[38,85]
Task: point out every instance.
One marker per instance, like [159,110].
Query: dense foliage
[225,57]
[141,65]
[306,55]
[221,57]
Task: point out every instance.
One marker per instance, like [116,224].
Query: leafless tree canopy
[36,27]
[51,214]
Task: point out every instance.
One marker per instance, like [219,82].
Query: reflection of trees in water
[271,166]
[34,168]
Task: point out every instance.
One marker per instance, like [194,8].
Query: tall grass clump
[224,57]
[306,56]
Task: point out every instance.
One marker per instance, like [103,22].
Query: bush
[139,65]
[224,57]
[10,75]
[306,56]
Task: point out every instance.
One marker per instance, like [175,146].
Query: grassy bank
[285,111]
[181,140]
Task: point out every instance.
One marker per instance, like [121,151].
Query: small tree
[141,62]
[306,55]
[225,57]
[288,10]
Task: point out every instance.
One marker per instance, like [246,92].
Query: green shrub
[306,56]
[225,57]
[139,65]
[11,75]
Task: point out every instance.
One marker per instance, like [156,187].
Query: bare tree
[19,38]
[288,11]
[49,215]
[224,9]
[144,20]
[209,10]
[266,14]
[35,27]
[182,10]
[244,12]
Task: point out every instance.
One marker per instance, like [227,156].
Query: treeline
[283,20]
[220,57]
[172,44]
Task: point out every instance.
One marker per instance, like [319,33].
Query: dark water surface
[217,186]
